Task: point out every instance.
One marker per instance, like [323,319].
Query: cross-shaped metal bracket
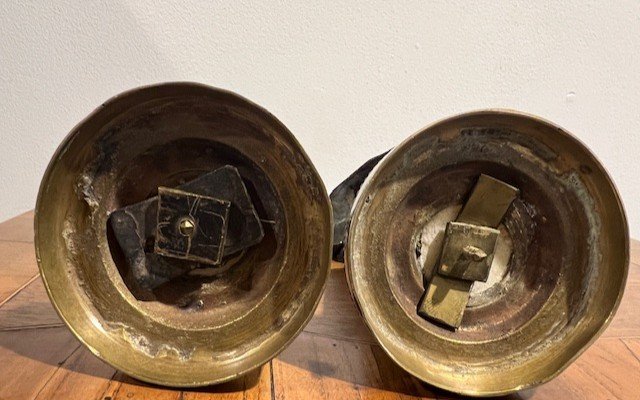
[467,252]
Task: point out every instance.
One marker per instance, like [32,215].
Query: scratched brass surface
[445,298]
[559,268]
[244,314]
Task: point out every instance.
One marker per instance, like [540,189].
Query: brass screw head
[187,226]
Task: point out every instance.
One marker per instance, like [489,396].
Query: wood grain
[17,267]
[608,360]
[315,366]
[634,346]
[337,315]
[626,323]
[18,229]
[81,376]
[29,308]
[255,385]
[131,389]
[29,359]
[336,357]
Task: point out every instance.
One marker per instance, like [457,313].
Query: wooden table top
[335,357]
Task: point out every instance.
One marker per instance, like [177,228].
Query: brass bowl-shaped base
[560,264]
[209,325]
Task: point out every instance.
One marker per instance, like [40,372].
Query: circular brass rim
[87,328]
[383,329]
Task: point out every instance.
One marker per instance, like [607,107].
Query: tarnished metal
[142,237]
[342,198]
[468,250]
[183,234]
[191,226]
[559,263]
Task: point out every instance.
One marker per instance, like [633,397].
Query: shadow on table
[56,347]
[337,356]
[349,366]
[312,363]
[328,368]
[250,381]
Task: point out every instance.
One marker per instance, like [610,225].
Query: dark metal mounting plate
[135,228]
[206,219]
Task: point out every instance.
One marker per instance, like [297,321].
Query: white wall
[349,80]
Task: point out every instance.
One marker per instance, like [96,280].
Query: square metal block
[191,226]
[468,251]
